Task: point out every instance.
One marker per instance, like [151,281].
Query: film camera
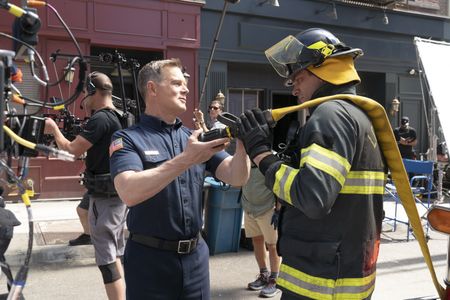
[71,126]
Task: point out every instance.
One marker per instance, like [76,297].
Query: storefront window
[241,99]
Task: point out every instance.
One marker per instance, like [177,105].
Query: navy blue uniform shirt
[176,211]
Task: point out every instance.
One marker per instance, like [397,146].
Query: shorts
[107,223]
[260,225]
[84,203]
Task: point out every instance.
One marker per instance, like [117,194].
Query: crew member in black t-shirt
[107,213]
[406,137]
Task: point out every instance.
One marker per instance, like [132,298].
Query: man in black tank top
[104,222]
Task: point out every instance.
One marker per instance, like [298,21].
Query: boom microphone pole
[134,68]
[213,49]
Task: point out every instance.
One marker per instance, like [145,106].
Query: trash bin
[223,217]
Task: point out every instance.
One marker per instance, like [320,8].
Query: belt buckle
[184,247]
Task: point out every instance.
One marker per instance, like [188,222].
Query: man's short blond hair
[152,71]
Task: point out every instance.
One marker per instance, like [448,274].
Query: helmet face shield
[284,54]
[309,48]
[289,55]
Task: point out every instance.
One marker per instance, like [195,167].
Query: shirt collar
[329,89]
[157,123]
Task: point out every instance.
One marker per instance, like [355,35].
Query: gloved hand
[275,217]
[254,132]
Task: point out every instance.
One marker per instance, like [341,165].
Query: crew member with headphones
[107,212]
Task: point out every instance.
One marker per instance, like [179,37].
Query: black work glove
[275,217]
[254,132]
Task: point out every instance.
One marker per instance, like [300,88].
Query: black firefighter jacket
[332,204]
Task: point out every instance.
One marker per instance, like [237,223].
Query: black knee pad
[110,273]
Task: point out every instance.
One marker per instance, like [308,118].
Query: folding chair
[421,183]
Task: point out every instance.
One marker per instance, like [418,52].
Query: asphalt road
[60,272]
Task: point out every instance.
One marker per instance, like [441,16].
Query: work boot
[261,280]
[270,290]
[83,239]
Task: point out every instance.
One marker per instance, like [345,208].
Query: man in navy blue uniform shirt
[158,167]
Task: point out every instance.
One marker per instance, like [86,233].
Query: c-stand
[6,58]
[121,63]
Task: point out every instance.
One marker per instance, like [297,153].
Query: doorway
[280,131]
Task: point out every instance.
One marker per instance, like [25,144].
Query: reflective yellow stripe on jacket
[364,182]
[353,182]
[327,161]
[321,288]
[318,157]
[283,182]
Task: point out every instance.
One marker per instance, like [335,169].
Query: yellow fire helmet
[317,50]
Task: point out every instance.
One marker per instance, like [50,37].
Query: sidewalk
[402,273]
[55,223]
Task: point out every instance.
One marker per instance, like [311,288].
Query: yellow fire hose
[394,161]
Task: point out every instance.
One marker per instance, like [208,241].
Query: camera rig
[71,125]
[130,108]
[23,118]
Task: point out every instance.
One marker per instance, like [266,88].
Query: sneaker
[259,283]
[83,239]
[270,290]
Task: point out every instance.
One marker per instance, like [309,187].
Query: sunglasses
[214,107]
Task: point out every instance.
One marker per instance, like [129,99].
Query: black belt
[181,246]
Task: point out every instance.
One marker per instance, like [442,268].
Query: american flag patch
[117,144]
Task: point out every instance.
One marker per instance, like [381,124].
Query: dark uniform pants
[159,274]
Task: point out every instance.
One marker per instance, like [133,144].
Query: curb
[15,255]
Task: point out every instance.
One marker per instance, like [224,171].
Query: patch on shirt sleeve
[117,144]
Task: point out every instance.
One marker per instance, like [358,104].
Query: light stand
[6,58]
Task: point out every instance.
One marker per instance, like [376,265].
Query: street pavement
[58,271]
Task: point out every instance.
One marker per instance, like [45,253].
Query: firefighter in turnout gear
[332,196]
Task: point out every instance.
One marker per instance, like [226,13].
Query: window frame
[259,93]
